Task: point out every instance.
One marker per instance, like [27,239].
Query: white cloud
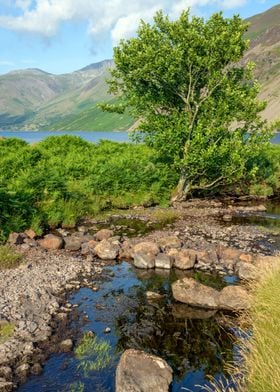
[120,18]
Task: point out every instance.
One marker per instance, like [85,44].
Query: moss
[6,330]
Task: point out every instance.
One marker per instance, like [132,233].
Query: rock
[66,345]
[231,254]
[126,251]
[267,262]
[182,311]
[51,242]
[107,330]
[191,292]
[227,218]
[6,386]
[72,243]
[16,238]
[185,259]
[30,234]
[172,253]
[247,271]
[138,371]
[170,242]
[163,261]
[22,371]
[6,373]
[152,296]
[104,234]
[144,260]
[246,257]
[106,250]
[234,298]
[146,247]
[36,369]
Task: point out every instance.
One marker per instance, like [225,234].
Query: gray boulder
[163,261]
[234,298]
[144,260]
[185,259]
[107,250]
[191,292]
[104,234]
[138,371]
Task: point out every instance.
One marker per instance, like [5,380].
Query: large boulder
[247,271]
[170,242]
[51,242]
[107,250]
[185,259]
[234,298]
[146,247]
[144,260]
[163,261]
[138,371]
[191,292]
[104,234]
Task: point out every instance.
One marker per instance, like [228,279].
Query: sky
[61,36]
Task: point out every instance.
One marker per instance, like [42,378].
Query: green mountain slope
[33,99]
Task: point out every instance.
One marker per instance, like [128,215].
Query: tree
[195,101]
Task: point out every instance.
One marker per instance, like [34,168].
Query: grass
[8,257]
[261,352]
[263,359]
[93,353]
[6,330]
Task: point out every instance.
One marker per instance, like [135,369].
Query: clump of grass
[6,330]
[8,257]
[93,353]
[263,358]
[164,216]
[77,387]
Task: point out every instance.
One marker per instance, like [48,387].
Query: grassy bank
[263,360]
[63,178]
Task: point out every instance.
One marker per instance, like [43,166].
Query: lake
[94,136]
[90,136]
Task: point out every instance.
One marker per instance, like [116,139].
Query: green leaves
[195,101]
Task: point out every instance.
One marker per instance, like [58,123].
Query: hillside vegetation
[264,33]
[34,99]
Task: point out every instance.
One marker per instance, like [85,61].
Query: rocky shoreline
[33,295]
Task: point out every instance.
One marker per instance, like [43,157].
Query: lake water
[93,136]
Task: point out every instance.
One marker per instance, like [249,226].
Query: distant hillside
[34,99]
[264,32]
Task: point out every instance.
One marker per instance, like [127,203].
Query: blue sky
[61,36]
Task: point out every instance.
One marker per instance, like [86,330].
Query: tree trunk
[182,190]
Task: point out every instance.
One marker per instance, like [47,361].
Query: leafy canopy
[195,102]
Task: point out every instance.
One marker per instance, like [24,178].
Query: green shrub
[64,178]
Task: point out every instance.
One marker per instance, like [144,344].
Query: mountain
[264,32]
[34,99]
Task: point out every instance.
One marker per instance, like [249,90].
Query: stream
[196,343]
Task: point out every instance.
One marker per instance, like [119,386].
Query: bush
[64,178]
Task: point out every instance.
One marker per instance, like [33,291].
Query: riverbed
[196,343]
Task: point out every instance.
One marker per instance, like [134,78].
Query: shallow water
[191,340]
